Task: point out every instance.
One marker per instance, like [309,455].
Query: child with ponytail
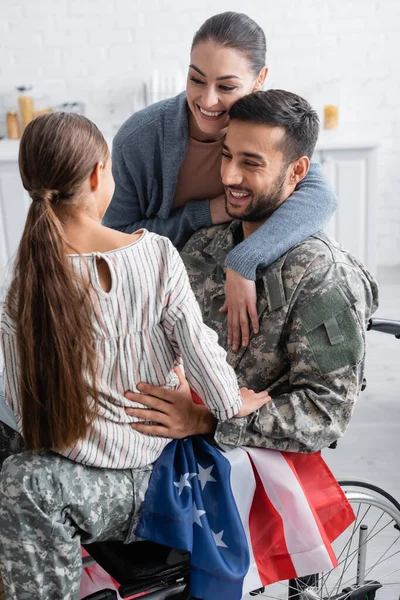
[90,313]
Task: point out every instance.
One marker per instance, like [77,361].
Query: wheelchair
[368,552]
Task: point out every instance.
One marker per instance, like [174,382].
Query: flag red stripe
[314,464]
[268,539]
[324,495]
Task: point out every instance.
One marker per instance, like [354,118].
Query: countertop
[328,140]
[341,140]
[9,149]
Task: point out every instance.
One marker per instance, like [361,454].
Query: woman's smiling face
[217,78]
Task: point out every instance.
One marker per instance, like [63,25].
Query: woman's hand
[173,412]
[217,211]
[241,305]
[252,401]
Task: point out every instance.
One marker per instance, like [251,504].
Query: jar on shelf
[331,103]
[331,116]
[25,102]
[13,132]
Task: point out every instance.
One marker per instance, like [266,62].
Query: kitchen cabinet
[351,170]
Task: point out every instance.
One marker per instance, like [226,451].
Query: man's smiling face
[253,170]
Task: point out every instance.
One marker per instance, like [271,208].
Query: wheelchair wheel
[368,553]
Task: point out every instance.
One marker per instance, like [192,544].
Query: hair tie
[44,196]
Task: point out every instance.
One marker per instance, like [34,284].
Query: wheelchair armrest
[385,326]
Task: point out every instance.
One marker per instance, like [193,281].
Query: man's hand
[217,211]
[252,401]
[241,305]
[173,412]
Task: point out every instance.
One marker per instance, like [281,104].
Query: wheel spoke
[355,527]
[380,559]
[354,554]
[348,545]
[351,555]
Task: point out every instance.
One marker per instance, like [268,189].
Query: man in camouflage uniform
[313,303]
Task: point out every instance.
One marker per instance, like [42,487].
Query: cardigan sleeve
[304,213]
[127,213]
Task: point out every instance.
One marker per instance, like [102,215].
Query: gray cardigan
[148,151]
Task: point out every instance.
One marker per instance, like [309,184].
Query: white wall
[101,51]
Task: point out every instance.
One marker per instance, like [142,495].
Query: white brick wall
[101,51]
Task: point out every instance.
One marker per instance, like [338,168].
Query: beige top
[199,176]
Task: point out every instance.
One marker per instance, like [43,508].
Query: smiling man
[313,303]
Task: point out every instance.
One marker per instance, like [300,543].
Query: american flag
[249,517]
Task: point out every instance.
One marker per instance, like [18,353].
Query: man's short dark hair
[279,108]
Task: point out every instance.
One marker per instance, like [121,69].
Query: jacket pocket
[216,303]
[331,326]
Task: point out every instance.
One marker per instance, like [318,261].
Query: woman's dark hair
[238,31]
[282,109]
[50,306]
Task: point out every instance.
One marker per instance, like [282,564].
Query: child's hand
[252,401]
[241,305]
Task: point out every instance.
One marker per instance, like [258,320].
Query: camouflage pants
[49,505]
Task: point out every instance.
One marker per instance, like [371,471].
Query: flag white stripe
[303,539]
[243,485]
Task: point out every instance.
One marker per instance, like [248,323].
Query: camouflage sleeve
[204,360]
[325,344]
[198,266]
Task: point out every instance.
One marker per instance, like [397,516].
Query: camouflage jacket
[313,303]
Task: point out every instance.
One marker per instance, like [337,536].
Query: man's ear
[260,79]
[299,170]
[95,176]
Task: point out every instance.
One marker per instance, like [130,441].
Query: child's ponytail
[51,311]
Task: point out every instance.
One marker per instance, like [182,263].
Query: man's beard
[261,207]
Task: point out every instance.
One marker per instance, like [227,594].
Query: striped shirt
[148,322]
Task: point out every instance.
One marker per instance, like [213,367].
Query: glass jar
[13,132]
[25,102]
